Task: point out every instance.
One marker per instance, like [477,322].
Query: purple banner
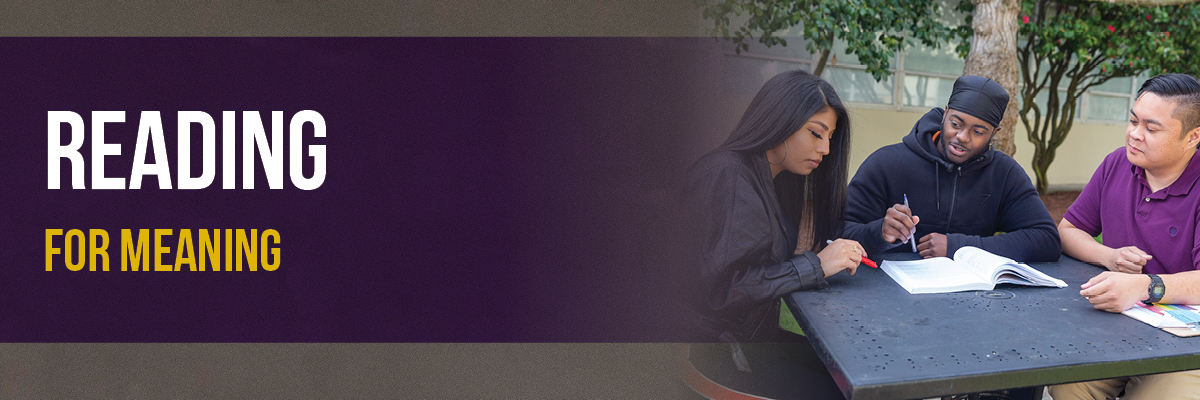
[473,190]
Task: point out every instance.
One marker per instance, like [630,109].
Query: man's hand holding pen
[899,224]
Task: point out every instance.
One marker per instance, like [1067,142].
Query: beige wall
[1077,158]
[874,127]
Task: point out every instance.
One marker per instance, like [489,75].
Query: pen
[910,236]
[865,260]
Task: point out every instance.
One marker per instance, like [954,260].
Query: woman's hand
[841,254]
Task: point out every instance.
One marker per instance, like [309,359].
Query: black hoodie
[969,202]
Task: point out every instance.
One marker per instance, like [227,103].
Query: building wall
[882,113]
[1077,158]
[875,127]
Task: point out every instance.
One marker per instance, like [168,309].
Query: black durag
[980,97]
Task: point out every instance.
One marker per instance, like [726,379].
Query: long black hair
[781,107]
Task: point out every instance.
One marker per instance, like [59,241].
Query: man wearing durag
[959,190]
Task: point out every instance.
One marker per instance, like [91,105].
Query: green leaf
[872,29]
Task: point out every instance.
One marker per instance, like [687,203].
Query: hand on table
[899,224]
[932,245]
[841,254]
[1115,291]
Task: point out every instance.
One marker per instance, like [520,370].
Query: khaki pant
[1171,385]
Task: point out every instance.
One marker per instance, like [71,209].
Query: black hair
[1182,89]
[783,105]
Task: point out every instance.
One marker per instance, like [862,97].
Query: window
[929,76]
[1110,101]
[745,73]
[919,78]
[852,81]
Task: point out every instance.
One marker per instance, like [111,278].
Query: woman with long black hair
[762,206]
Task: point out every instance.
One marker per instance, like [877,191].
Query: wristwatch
[1156,290]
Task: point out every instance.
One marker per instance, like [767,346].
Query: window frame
[899,73]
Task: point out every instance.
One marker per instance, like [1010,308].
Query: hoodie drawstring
[937,179]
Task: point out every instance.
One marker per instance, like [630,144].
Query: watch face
[1157,289]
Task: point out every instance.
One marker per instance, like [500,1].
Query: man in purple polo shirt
[1145,199]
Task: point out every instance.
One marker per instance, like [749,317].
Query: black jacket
[742,244]
[969,202]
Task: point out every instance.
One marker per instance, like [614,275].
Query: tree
[1075,45]
[1149,2]
[991,32]
[873,30]
[1072,45]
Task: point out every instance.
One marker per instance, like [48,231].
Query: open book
[971,269]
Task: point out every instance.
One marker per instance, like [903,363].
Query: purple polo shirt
[1118,202]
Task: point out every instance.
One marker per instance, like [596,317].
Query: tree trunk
[994,55]
[820,67]
[1041,163]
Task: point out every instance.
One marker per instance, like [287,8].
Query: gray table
[880,342]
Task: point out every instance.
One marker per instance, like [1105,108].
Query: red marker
[865,260]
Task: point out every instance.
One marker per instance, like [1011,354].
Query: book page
[1164,315]
[1153,318]
[934,275]
[1172,318]
[1033,277]
[999,269]
[981,262]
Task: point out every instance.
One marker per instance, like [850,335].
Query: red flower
[1025,19]
[1147,17]
[1111,29]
